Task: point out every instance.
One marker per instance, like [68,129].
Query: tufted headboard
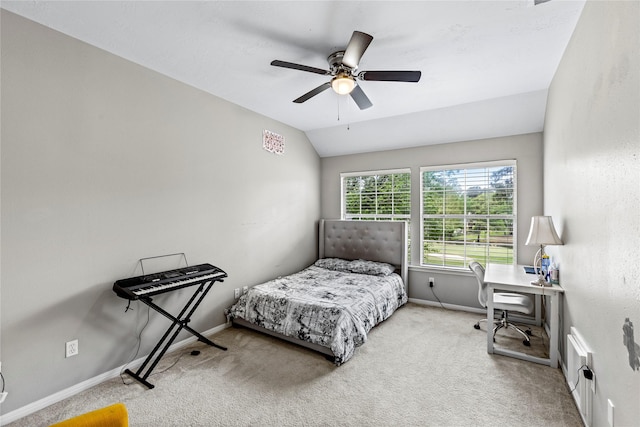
[382,241]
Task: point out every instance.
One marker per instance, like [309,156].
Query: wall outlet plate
[3,396]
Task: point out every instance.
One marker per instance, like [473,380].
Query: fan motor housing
[336,65]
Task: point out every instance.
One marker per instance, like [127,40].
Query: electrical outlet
[71,348]
[3,396]
[244,289]
[432,282]
[236,293]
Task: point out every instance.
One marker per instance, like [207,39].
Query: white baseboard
[87,384]
[448,306]
[515,317]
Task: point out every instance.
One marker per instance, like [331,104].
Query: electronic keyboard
[167,281]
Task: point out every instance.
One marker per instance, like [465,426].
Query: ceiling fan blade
[355,49]
[284,64]
[391,76]
[357,94]
[312,93]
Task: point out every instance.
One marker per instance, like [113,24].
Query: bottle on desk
[545,263]
[554,274]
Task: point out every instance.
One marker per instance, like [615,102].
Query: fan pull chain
[348,124]
[347,106]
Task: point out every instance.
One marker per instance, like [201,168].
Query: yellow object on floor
[111,416]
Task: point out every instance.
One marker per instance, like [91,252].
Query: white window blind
[377,195]
[468,213]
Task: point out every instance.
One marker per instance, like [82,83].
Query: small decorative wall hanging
[272,142]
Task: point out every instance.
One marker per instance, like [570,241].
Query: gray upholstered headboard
[382,241]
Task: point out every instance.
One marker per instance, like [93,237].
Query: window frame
[374,217]
[467,166]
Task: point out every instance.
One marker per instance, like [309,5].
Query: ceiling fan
[343,66]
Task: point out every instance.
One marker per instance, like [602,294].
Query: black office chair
[502,301]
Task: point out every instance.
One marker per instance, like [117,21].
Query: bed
[358,281]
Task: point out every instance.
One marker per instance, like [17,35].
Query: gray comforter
[334,309]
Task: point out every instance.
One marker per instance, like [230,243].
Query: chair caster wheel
[526,343]
[528,332]
[477,326]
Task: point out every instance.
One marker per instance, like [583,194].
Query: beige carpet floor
[424,366]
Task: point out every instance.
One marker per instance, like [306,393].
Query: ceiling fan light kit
[343,84]
[343,66]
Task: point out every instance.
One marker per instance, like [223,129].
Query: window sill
[441,270]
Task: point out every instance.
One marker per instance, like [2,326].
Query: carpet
[424,366]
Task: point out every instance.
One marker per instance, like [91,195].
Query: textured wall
[105,162]
[592,190]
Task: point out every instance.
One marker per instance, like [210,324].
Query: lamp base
[537,266]
[540,282]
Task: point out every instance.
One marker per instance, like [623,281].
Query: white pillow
[336,264]
[371,268]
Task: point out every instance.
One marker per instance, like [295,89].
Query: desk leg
[489,319]
[538,300]
[554,326]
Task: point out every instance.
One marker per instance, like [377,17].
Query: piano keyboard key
[178,283]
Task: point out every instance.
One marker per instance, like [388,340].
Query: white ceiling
[486,65]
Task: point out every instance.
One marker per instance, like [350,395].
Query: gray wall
[105,162]
[456,288]
[592,190]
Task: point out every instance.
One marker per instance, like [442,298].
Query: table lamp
[542,232]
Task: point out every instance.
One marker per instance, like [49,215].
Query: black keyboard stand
[178,324]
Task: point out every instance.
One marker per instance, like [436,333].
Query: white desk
[514,279]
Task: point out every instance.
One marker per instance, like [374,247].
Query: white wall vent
[578,356]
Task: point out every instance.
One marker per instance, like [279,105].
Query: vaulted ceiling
[486,65]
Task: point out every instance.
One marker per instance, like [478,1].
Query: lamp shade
[542,232]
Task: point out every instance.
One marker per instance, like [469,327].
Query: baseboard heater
[578,357]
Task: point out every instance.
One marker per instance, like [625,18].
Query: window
[468,213]
[382,195]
